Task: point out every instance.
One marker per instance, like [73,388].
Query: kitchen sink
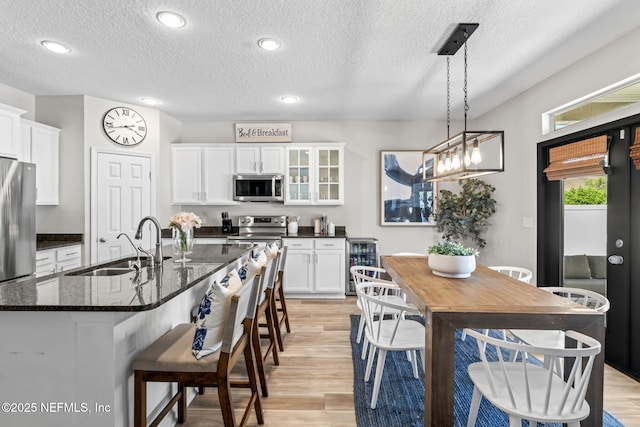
[128,263]
[115,269]
[106,271]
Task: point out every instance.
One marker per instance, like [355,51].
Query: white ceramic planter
[457,267]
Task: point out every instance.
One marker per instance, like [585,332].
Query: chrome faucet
[158,256]
[136,265]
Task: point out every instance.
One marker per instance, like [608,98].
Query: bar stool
[170,359]
[279,302]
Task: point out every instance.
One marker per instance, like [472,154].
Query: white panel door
[247,160]
[123,198]
[44,153]
[329,271]
[186,169]
[272,160]
[297,276]
[217,173]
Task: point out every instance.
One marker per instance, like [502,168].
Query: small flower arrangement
[184,222]
[451,249]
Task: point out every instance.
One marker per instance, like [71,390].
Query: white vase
[458,267]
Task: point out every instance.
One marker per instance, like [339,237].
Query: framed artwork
[405,198]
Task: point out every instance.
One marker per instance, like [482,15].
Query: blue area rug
[401,397]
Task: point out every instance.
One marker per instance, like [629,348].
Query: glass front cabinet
[315,175]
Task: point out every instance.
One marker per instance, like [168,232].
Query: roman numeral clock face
[124,126]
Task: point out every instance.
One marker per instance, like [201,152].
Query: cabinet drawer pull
[71,253]
[41,259]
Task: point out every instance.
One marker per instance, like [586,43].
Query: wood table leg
[438,378]
[595,390]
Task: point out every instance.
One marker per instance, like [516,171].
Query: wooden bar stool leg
[182,403]
[255,338]
[283,305]
[253,382]
[139,400]
[276,322]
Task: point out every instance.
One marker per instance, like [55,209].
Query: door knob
[102,240]
[616,259]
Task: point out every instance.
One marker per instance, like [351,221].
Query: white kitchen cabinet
[260,160]
[315,268]
[41,145]
[51,261]
[10,131]
[315,175]
[202,174]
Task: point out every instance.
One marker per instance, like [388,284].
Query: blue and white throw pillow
[261,258]
[212,314]
[248,270]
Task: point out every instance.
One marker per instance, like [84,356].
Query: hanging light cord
[448,95]
[466,103]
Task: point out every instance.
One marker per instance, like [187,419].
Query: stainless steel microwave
[258,188]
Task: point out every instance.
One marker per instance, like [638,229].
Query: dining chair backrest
[363,274]
[375,306]
[527,390]
[520,273]
[581,296]
[283,258]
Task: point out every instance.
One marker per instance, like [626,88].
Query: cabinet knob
[102,240]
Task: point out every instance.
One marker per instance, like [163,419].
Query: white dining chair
[523,274]
[518,273]
[556,338]
[388,333]
[366,275]
[526,389]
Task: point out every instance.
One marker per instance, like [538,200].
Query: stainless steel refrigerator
[17,219]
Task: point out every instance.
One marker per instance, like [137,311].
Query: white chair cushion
[271,251]
[212,315]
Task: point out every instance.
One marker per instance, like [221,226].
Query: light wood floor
[313,386]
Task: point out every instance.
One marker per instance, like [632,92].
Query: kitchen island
[68,339]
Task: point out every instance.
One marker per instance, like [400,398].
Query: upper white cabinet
[40,145]
[315,175]
[259,159]
[10,131]
[202,174]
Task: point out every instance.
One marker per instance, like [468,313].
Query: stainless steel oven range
[260,229]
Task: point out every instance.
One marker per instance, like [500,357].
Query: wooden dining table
[485,300]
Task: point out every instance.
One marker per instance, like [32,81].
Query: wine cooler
[360,251]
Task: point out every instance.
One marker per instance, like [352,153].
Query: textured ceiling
[344,59]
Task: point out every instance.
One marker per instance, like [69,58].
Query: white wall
[18,99]
[67,114]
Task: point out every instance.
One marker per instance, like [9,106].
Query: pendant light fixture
[468,154]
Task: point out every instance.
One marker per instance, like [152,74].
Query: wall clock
[124,126]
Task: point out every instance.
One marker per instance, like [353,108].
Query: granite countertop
[149,288]
[52,241]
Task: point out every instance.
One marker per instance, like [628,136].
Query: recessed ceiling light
[55,46]
[150,101]
[268,44]
[171,19]
[289,99]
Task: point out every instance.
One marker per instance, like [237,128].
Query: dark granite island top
[75,336]
[148,289]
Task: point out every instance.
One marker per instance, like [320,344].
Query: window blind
[581,158]
[634,151]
